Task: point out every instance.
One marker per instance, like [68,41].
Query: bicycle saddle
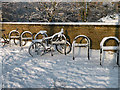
[2,30]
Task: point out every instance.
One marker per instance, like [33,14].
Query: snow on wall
[110,19]
[64,23]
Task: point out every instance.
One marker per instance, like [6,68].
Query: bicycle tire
[2,41]
[36,48]
[60,48]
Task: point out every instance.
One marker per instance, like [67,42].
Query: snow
[108,38]
[14,31]
[0,69]
[110,18]
[20,70]
[79,45]
[107,1]
[63,23]
[110,48]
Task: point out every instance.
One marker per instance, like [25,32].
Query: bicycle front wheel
[61,48]
[36,49]
[2,42]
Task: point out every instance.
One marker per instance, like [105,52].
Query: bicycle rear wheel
[2,42]
[61,47]
[36,49]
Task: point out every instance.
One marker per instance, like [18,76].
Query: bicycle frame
[45,41]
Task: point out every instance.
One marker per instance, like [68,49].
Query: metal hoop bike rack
[104,48]
[75,44]
[25,38]
[17,36]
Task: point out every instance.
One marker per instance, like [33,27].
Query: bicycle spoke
[61,48]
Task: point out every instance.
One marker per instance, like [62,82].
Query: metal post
[88,52]
[118,57]
[73,52]
[100,56]
[65,47]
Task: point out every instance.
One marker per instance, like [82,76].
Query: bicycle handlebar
[62,30]
[59,33]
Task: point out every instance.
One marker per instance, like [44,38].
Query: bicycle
[46,44]
[4,39]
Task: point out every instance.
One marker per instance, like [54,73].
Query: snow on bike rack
[103,48]
[42,32]
[14,31]
[26,38]
[74,44]
[14,37]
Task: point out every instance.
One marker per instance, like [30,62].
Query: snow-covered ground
[20,70]
[0,69]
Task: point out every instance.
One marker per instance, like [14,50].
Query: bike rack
[26,38]
[42,32]
[14,37]
[74,44]
[104,48]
